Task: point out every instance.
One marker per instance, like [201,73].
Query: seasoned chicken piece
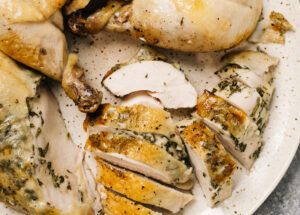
[238,94]
[153,76]
[46,51]
[161,80]
[271,30]
[38,175]
[113,204]
[240,135]
[214,167]
[260,63]
[141,189]
[247,83]
[190,25]
[153,124]
[139,155]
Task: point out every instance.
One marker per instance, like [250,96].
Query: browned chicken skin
[33,39]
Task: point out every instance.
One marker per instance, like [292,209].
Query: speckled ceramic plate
[282,135]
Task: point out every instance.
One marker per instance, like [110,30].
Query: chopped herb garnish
[43,152]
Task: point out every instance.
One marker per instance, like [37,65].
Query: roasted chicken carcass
[30,32]
[185,25]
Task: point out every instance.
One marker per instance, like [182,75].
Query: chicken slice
[237,94]
[243,75]
[214,167]
[39,175]
[141,189]
[139,155]
[260,63]
[113,204]
[247,83]
[239,134]
[160,79]
[153,124]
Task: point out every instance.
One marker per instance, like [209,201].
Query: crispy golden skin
[113,204]
[206,145]
[141,189]
[143,151]
[217,109]
[137,118]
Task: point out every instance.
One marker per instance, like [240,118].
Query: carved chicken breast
[139,155]
[159,79]
[141,189]
[214,167]
[38,175]
[28,36]
[247,83]
[142,139]
[238,132]
[185,25]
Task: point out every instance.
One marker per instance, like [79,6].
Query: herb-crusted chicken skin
[122,148]
[240,135]
[142,139]
[185,25]
[247,83]
[213,165]
[152,123]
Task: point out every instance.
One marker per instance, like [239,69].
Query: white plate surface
[282,135]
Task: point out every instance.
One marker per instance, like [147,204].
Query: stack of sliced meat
[237,108]
[139,157]
[136,142]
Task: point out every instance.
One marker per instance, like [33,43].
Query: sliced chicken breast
[247,83]
[141,189]
[260,63]
[113,204]
[214,167]
[160,79]
[139,155]
[153,124]
[239,134]
[237,94]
